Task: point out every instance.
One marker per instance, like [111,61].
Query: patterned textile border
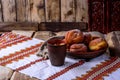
[65,70]
[9,39]
[101,70]
[19,55]
[14,42]
[29,64]
[8,36]
[5,34]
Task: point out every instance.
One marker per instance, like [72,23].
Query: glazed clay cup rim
[58,41]
[56,45]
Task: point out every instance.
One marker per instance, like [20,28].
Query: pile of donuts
[76,40]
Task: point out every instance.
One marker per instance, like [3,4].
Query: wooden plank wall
[44,11]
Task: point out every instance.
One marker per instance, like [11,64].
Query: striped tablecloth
[19,53]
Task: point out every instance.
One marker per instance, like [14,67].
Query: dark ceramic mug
[56,51]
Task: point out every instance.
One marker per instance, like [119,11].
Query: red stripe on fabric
[29,64]
[19,55]
[65,70]
[5,35]
[99,67]
[13,39]
[107,71]
[9,39]
[18,40]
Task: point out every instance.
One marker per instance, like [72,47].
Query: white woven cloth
[19,53]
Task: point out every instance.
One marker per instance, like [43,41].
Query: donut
[78,47]
[74,36]
[97,44]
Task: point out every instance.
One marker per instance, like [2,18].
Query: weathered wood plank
[62,26]
[44,10]
[44,35]
[20,76]
[52,10]
[1,18]
[28,8]
[24,32]
[61,33]
[5,73]
[67,11]
[6,26]
[9,11]
[37,11]
[81,10]
[21,9]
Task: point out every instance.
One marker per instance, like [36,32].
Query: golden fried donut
[74,36]
[78,47]
[97,44]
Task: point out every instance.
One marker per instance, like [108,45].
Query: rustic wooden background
[44,10]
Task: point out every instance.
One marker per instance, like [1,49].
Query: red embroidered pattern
[8,36]
[19,55]
[29,64]
[14,42]
[101,70]
[65,70]
[9,39]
